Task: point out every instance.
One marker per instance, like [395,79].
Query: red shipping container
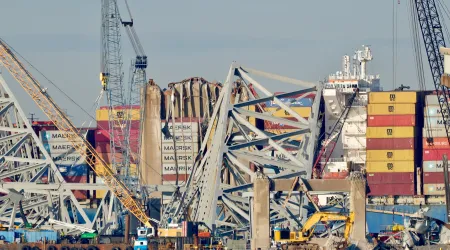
[438,143]
[433,177]
[390,178]
[104,125]
[389,143]
[80,194]
[335,175]
[104,147]
[278,125]
[173,177]
[391,120]
[103,135]
[391,189]
[435,154]
[76,179]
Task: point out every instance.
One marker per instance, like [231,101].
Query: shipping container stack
[71,164]
[102,138]
[300,106]
[390,143]
[435,145]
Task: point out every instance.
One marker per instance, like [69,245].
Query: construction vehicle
[301,238]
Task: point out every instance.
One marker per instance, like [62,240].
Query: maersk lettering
[180,127]
[178,148]
[179,157]
[63,136]
[67,158]
[180,168]
[62,147]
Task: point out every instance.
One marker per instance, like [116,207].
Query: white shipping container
[178,127]
[181,158]
[69,159]
[180,138]
[434,122]
[58,136]
[435,132]
[434,189]
[170,168]
[431,100]
[57,148]
[433,110]
[170,147]
[433,166]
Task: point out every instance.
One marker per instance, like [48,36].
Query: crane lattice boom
[57,116]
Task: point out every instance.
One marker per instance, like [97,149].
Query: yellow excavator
[305,234]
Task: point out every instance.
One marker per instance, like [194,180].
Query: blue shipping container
[36,236]
[304,102]
[7,236]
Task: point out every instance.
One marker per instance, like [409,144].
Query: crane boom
[57,116]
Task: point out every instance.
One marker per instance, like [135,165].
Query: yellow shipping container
[390,155]
[278,112]
[391,109]
[99,168]
[390,166]
[390,132]
[103,115]
[393,97]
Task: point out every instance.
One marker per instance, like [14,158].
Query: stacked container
[179,151]
[435,145]
[71,164]
[391,128]
[300,106]
[103,141]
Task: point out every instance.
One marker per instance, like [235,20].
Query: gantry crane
[59,118]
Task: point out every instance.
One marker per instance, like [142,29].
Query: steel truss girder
[221,176]
[28,174]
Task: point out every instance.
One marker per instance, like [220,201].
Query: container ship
[386,135]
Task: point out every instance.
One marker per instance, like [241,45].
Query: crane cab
[144,232]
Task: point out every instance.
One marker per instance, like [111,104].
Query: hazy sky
[300,39]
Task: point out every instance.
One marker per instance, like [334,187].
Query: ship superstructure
[339,87]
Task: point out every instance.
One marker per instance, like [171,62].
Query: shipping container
[171,168]
[100,169]
[391,189]
[390,166]
[292,102]
[434,189]
[433,178]
[58,136]
[432,100]
[80,194]
[104,147]
[180,138]
[434,154]
[280,125]
[438,143]
[184,147]
[38,235]
[393,97]
[389,143]
[391,109]
[390,155]
[390,132]
[7,236]
[180,158]
[433,166]
[76,179]
[58,148]
[118,157]
[391,120]
[433,110]
[68,159]
[181,127]
[174,177]
[74,170]
[434,132]
[434,122]
[104,135]
[390,178]
[278,112]
[122,114]
[104,125]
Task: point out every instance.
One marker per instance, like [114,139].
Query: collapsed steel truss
[29,175]
[218,192]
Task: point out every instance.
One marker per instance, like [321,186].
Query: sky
[300,39]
